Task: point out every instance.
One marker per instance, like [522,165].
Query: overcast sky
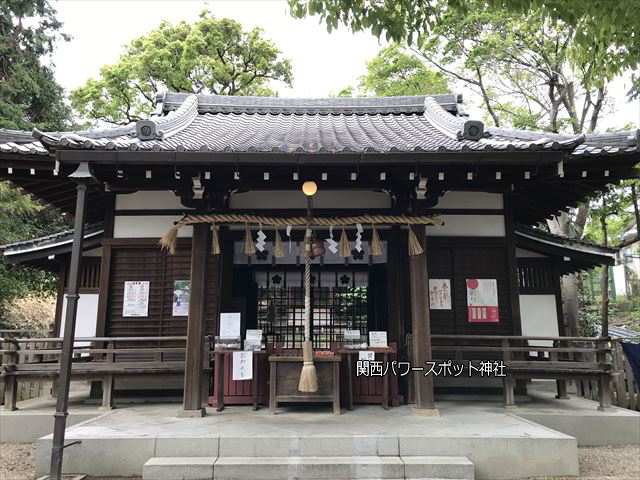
[322,63]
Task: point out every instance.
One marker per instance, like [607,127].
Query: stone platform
[538,438]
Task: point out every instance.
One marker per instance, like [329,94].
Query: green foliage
[29,95]
[211,56]
[529,71]
[21,219]
[601,28]
[616,211]
[394,72]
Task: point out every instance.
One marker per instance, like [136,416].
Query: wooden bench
[94,362]
[567,358]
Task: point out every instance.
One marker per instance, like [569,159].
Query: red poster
[482,300]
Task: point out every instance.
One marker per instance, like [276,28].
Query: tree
[21,219]
[609,214]
[529,71]
[29,95]
[211,56]
[614,27]
[395,72]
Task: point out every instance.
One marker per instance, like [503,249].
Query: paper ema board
[439,294]
[180,298]
[482,300]
[377,339]
[243,365]
[136,299]
[230,325]
[368,356]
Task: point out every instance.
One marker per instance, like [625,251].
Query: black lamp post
[82,176]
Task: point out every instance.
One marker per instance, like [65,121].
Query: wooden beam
[420,326]
[192,400]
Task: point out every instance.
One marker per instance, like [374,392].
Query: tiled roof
[44,244]
[567,242]
[214,123]
[256,124]
[593,144]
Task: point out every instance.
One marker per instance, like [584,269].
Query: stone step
[316,468]
[359,467]
[438,467]
[178,468]
[268,468]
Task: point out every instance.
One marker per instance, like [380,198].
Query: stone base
[425,412]
[191,413]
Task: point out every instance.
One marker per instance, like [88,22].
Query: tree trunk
[597,107]
[560,225]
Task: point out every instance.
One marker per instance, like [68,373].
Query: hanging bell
[317,247]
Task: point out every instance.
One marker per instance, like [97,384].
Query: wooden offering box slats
[285,375]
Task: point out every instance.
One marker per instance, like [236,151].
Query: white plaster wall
[539,317]
[94,252]
[86,317]
[475,200]
[139,226]
[619,280]
[521,253]
[323,199]
[148,199]
[469,226]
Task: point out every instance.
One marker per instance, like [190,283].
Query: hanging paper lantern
[376,244]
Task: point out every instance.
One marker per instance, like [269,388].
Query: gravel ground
[606,463]
[596,463]
[17,461]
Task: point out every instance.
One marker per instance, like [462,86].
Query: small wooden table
[350,353]
[219,380]
[285,375]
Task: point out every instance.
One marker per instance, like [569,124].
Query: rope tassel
[345,251]
[414,245]
[168,240]
[279,248]
[376,244]
[249,247]
[215,241]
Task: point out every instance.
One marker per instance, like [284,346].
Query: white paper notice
[230,325]
[377,339]
[243,365]
[136,299]
[368,356]
[439,294]
[254,334]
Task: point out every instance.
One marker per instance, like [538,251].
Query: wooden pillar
[420,326]
[192,400]
[396,289]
